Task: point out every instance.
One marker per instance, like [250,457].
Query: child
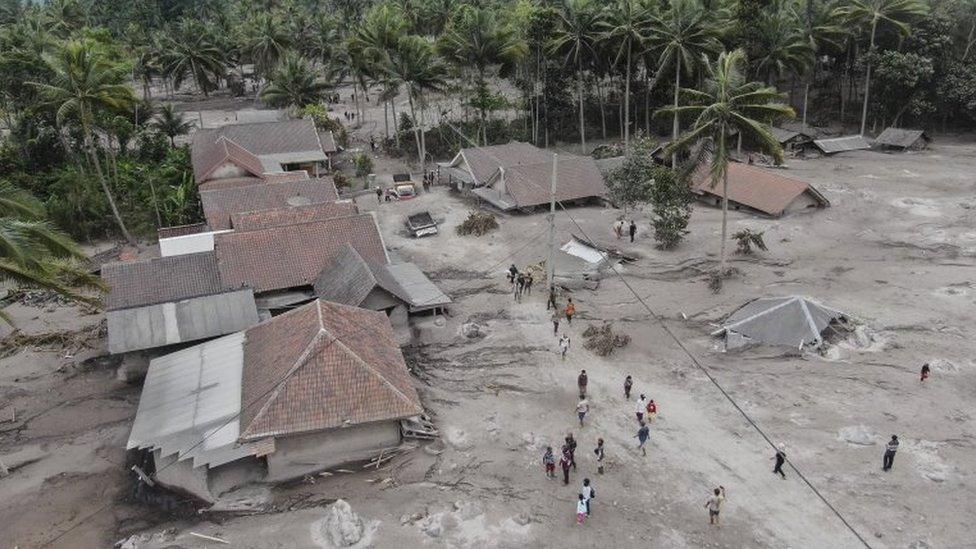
[570,310]
[599,455]
[549,461]
[642,435]
[651,410]
[563,345]
[925,372]
[580,510]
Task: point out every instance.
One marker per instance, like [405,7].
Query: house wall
[299,455]
[227,170]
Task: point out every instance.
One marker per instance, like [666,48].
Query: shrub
[746,239]
[601,340]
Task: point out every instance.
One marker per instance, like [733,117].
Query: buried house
[902,140]
[791,321]
[762,190]
[322,385]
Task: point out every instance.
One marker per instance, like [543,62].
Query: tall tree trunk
[969,41]
[423,135]
[647,101]
[676,123]
[582,121]
[725,202]
[93,154]
[627,102]
[416,128]
[396,122]
[806,99]
[867,81]
[603,108]
[386,119]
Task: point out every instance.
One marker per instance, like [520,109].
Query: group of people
[350,116]
[521,282]
[620,226]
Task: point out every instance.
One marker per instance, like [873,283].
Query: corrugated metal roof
[901,138]
[190,402]
[181,321]
[188,243]
[422,293]
[577,177]
[842,144]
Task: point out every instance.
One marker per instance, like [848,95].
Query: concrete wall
[236,474]
[182,476]
[295,456]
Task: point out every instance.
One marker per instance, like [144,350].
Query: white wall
[188,244]
[296,456]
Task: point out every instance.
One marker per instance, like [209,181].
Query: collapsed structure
[316,387]
[792,321]
[902,140]
[842,144]
[763,190]
[518,175]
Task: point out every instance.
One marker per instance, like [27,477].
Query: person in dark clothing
[588,493]
[633,230]
[628,385]
[925,372]
[512,273]
[600,454]
[519,287]
[889,455]
[379,195]
[571,446]
[528,284]
[581,382]
[780,458]
[556,317]
[565,462]
[552,299]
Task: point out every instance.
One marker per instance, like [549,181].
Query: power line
[694,360]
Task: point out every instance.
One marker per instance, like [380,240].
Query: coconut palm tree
[190,51]
[265,41]
[627,28]
[294,84]
[787,49]
[322,39]
[475,39]
[576,40]
[415,65]
[896,13]
[171,123]
[84,82]
[683,35]
[33,252]
[373,42]
[727,103]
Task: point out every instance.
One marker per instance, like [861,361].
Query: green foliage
[671,201]
[746,239]
[632,183]
[323,122]
[901,80]
[294,84]
[364,165]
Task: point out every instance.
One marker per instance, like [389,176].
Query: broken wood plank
[209,538]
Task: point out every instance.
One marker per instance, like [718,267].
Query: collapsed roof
[763,190]
[793,321]
[898,138]
[842,144]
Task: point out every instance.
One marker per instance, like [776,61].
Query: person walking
[651,410]
[633,230]
[512,273]
[889,455]
[628,385]
[519,286]
[551,302]
[556,317]
[580,510]
[925,372]
[588,494]
[618,228]
[549,462]
[582,407]
[565,462]
[780,458]
[528,283]
[571,447]
[581,382]
[714,506]
[642,435]
[570,310]
[563,345]
[379,195]
[600,454]
[641,407]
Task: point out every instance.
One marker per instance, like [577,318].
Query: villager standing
[633,230]
[556,317]
[780,458]
[889,455]
[618,228]
[571,446]
[600,454]
[379,195]
[642,435]
[588,494]
[519,286]
[563,345]
[581,381]
[512,273]
[651,409]
[925,372]
[570,310]
[549,462]
[714,506]
[582,407]
[580,508]
[628,385]
[528,283]
[565,462]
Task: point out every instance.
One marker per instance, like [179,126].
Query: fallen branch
[209,538]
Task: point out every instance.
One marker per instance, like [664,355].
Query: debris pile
[477,223]
[601,339]
[342,527]
[70,341]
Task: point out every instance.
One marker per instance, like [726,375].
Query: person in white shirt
[714,505]
[588,494]
[563,345]
[641,407]
[580,510]
[581,409]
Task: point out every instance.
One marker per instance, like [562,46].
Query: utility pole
[550,267]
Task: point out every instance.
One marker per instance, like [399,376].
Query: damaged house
[762,190]
[319,386]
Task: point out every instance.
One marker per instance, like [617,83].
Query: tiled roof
[328,142]
[295,138]
[348,279]
[323,366]
[577,177]
[220,204]
[293,255]
[262,219]
[485,161]
[231,182]
[756,188]
[160,280]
